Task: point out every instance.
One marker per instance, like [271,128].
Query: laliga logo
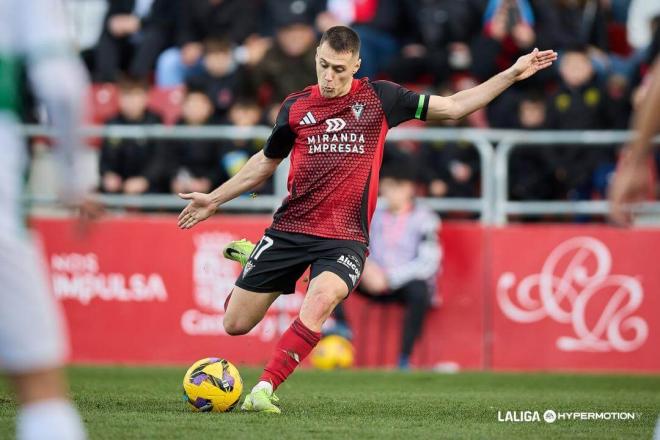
[335,124]
[576,278]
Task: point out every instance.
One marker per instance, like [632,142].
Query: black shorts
[280,259]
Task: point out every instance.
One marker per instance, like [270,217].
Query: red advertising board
[575,297]
[139,290]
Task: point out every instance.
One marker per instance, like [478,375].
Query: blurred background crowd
[203,62]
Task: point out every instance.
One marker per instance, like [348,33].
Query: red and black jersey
[336,149]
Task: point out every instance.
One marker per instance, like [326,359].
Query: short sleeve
[282,137]
[400,104]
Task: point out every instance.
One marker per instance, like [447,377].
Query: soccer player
[631,180]
[33,343]
[334,133]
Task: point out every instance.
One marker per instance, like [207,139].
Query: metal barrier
[493,205]
[482,205]
[537,139]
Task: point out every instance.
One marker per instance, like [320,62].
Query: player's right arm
[259,168]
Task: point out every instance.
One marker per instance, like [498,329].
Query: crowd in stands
[235,60]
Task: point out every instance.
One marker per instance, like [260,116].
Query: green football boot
[261,401]
[238,250]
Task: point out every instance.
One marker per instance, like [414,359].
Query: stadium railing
[494,148]
[509,140]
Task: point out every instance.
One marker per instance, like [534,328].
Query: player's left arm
[467,101]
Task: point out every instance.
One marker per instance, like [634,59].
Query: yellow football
[333,352]
[212,384]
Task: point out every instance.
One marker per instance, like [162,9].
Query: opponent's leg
[33,346]
[325,291]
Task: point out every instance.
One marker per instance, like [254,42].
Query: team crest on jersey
[357,109]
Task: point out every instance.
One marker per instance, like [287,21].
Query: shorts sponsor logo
[575,287]
[349,261]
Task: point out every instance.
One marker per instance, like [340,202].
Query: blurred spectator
[289,64]
[508,32]
[134,34]
[377,22]
[235,153]
[220,76]
[450,168]
[579,104]
[583,23]
[277,12]
[404,255]
[435,39]
[124,162]
[188,165]
[201,19]
[531,175]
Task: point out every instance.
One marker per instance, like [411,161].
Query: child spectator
[187,165]
[124,162]
[220,76]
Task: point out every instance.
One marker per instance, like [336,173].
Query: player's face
[335,70]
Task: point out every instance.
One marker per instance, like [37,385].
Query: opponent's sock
[54,419]
[294,345]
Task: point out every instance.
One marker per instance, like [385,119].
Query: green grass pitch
[145,403]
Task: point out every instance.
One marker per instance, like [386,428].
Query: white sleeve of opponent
[58,80]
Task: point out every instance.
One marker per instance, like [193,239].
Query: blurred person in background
[435,40]
[377,22]
[531,175]
[187,164]
[289,64]
[235,153]
[450,168]
[33,341]
[581,103]
[221,76]
[135,32]
[235,20]
[510,29]
[124,161]
[404,256]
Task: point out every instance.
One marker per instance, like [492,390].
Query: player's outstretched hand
[200,208]
[528,65]
[630,184]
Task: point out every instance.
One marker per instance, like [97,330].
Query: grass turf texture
[138,403]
